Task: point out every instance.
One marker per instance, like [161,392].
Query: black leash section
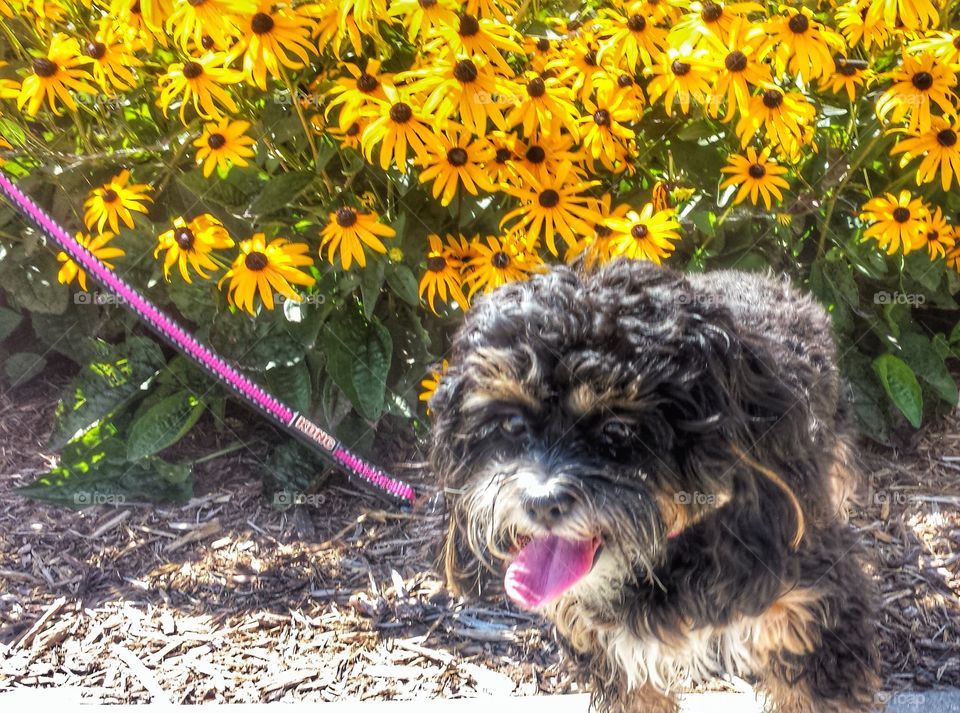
[282,415]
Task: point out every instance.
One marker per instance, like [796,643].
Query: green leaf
[920,355]
[869,399]
[163,424]
[296,470]
[954,337]
[32,279]
[403,282]
[280,191]
[9,321]
[901,385]
[370,286]
[358,359]
[23,366]
[291,384]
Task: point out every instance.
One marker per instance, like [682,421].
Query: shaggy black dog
[657,463]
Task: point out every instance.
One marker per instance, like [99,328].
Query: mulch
[225,599]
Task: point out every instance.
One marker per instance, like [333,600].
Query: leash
[282,415]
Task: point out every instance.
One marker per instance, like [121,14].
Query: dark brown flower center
[216,141]
[543,44]
[772,98]
[503,155]
[901,214]
[956,42]
[947,137]
[108,195]
[184,238]
[196,3]
[456,156]
[602,231]
[535,154]
[711,12]
[44,67]
[206,42]
[465,71]
[640,231]
[469,25]
[590,58]
[135,8]
[601,117]
[637,23]
[94,49]
[933,236]
[757,171]
[799,24]
[624,81]
[366,83]
[549,198]
[736,61]
[401,113]
[256,261]
[536,88]
[346,217]
[679,68]
[192,70]
[500,260]
[354,129]
[436,263]
[427,3]
[922,81]
[261,23]
[846,69]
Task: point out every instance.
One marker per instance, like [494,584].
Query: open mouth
[547,566]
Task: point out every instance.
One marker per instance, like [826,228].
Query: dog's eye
[514,426]
[615,432]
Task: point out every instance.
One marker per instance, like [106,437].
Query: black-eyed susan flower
[396,127]
[358,91]
[736,56]
[349,231]
[938,234]
[458,161]
[540,51]
[471,36]
[897,222]
[940,150]
[782,115]
[755,174]
[945,46]
[680,78]
[597,248]
[9,88]
[912,14]
[849,76]
[801,45]
[133,27]
[114,201]
[604,131]
[498,262]
[349,137]
[496,9]
[442,277]
[578,65]
[190,244]
[154,12]
[275,36]
[113,62]
[334,25]
[705,19]
[862,21]
[422,18]
[429,385]
[96,244]
[630,39]
[199,81]
[544,105]
[266,268]
[917,83]
[541,155]
[646,234]
[218,20]
[224,144]
[555,206]
[54,76]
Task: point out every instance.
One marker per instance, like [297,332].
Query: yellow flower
[114,201]
[913,14]
[423,19]
[897,221]
[442,275]
[544,105]
[349,138]
[397,127]
[4,144]
[939,149]
[647,235]
[938,234]
[945,46]
[848,76]
[430,384]
[275,35]
[499,262]
[199,80]
[859,22]
[348,231]
[496,9]
[554,206]
[918,82]
[783,115]
[755,174]
[682,78]
[708,19]
[604,132]
[358,92]
[217,19]
[540,155]
[133,26]
[191,243]
[800,44]
[9,88]
[54,76]
[96,244]
[578,64]
[598,247]
[265,268]
[737,56]
[112,59]
[458,161]
[470,36]
[630,39]
[224,144]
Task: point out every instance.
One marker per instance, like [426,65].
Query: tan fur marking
[787,624]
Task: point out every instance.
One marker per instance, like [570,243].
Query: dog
[658,462]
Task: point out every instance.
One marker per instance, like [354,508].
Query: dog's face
[582,421]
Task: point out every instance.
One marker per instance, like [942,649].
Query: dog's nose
[549,510]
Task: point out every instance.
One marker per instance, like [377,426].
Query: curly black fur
[629,389]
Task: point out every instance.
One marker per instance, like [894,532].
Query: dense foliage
[319,189]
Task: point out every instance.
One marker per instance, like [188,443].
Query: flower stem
[303,119]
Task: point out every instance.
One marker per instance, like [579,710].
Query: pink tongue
[546,568]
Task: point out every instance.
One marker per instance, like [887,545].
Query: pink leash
[281,414]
